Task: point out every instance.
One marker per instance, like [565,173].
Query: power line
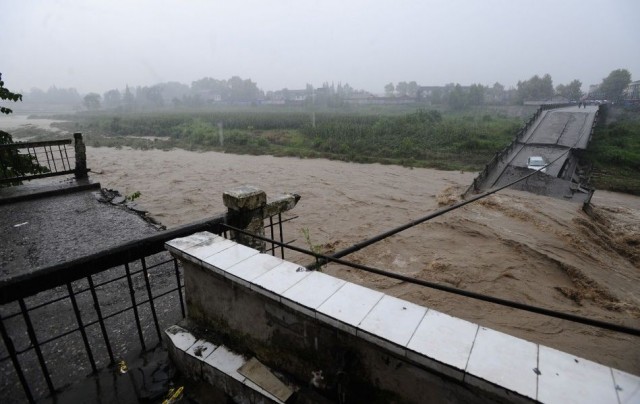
[473,295]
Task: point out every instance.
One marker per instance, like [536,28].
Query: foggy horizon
[96,46]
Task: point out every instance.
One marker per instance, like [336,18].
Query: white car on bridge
[537,163]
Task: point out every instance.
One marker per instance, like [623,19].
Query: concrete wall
[354,344]
[290,341]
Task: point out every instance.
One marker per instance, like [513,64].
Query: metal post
[103,328]
[134,305]
[36,345]
[151,303]
[281,235]
[273,246]
[81,157]
[83,332]
[175,264]
[8,342]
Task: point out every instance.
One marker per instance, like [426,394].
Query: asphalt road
[42,232]
[48,231]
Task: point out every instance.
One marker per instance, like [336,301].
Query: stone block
[244,198]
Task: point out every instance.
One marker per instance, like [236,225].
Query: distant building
[369,99]
[632,92]
[286,96]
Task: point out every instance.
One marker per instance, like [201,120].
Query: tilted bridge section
[556,133]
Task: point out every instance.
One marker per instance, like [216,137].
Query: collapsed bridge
[558,135]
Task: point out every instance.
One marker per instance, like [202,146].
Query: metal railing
[337,258]
[61,323]
[25,161]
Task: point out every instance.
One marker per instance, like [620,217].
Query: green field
[389,135]
[420,138]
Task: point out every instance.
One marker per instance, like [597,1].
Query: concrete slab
[222,369]
[201,349]
[229,257]
[391,323]
[346,308]
[189,241]
[246,271]
[311,292]
[45,188]
[627,386]
[261,393]
[279,279]
[48,231]
[565,378]
[207,249]
[260,378]
[443,342]
[180,340]
[507,362]
[227,362]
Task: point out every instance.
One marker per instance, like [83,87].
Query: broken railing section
[24,161]
[248,208]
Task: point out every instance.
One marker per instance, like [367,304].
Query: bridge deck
[555,133]
[569,127]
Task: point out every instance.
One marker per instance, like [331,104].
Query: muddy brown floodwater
[514,245]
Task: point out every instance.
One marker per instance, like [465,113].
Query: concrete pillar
[81,157]
[245,206]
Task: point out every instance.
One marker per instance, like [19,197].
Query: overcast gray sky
[97,45]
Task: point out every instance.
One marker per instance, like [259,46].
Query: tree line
[238,90]
[458,97]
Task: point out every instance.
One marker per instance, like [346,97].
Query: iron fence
[62,323]
[24,161]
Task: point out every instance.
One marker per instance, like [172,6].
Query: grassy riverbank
[615,153]
[422,138]
[409,137]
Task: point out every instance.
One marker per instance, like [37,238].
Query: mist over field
[95,46]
